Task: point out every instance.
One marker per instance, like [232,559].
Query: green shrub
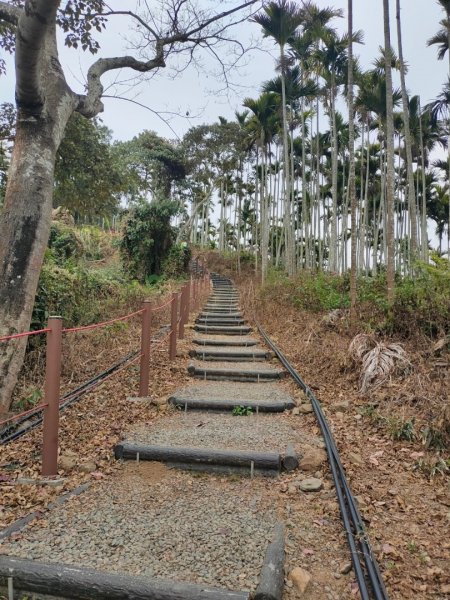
[64,243]
[81,297]
[148,237]
[177,261]
[97,244]
[423,302]
[321,291]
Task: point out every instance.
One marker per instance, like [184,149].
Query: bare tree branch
[155,112]
[90,104]
[8,13]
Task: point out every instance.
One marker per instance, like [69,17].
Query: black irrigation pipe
[67,400]
[367,572]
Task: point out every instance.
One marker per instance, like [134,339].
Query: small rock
[311,485]
[342,406]
[67,462]
[296,410]
[305,409]
[312,460]
[159,401]
[292,489]
[88,467]
[355,458]
[300,578]
[144,399]
[361,502]
[345,569]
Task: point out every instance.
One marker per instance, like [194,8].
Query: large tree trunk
[24,229]
[45,104]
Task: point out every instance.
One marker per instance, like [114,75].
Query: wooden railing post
[52,391]
[188,301]
[173,327]
[183,314]
[144,371]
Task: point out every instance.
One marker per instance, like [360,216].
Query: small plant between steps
[242,411]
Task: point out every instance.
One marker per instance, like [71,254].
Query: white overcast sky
[198,93]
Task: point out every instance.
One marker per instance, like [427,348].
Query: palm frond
[378,360]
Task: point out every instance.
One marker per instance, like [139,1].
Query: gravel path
[264,392]
[241,366]
[159,523]
[243,339]
[263,433]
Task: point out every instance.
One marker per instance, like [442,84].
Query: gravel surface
[263,433]
[159,523]
[241,366]
[225,338]
[268,392]
[252,351]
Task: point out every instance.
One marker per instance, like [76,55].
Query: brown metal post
[173,327]
[195,293]
[144,371]
[182,312]
[192,295]
[188,302]
[52,391]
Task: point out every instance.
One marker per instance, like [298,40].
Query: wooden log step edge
[271,580]
[290,459]
[223,404]
[66,581]
[265,461]
[267,374]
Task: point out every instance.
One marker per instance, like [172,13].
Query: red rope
[162,306]
[24,334]
[159,342]
[22,414]
[95,325]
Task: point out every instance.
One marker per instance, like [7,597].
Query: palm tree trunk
[390,168]
[334,173]
[424,232]
[351,175]
[408,143]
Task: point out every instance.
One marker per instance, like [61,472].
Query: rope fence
[16,336]
[181,303]
[104,323]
